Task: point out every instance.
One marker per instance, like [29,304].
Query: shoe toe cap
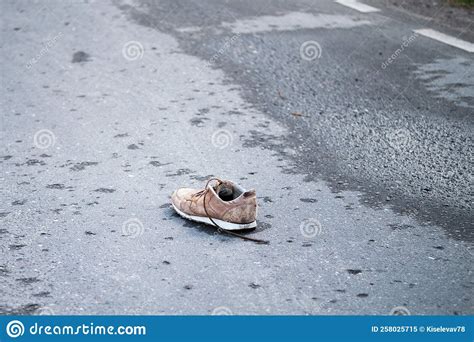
[180,195]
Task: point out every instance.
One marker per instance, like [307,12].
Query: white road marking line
[293,21]
[444,38]
[357,6]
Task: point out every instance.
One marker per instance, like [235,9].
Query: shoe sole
[222,224]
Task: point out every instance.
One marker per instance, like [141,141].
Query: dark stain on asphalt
[266,199]
[4,271]
[198,122]
[163,206]
[16,247]
[28,280]
[56,186]
[234,112]
[263,225]
[156,163]
[80,57]
[180,172]
[354,271]
[42,294]
[133,147]
[363,295]
[121,135]
[308,200]
[254,286]
[82,165]
[105,190]
[4,213]
[32,162]
[188,287]
[88,232]
[19,202]
[268,141]
[166,262]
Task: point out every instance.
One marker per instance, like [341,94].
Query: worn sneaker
[223,204]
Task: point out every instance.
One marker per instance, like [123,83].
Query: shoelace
[204,193]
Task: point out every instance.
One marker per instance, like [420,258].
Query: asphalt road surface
[355,130]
